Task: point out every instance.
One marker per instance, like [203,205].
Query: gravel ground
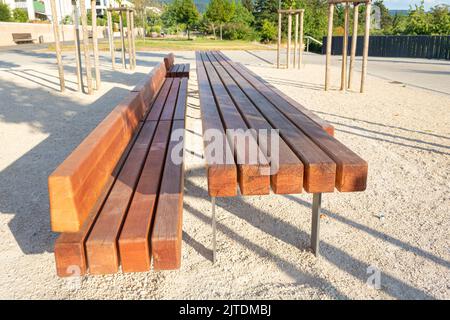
[398,228]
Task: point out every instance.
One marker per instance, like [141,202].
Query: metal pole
[354,39]
[300,56]
[57,46]
[87,57]
[295,40]
[124,63]
[329,39]
[95,44]
[279,41]
[344,50]
[111,39]
[213,202]
[76,38]
[315,223]
[366,46]
[288,51]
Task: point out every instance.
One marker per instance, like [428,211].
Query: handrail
[308,39]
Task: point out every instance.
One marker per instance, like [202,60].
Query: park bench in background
[310,158]
[22,37]
[117,199]
[175,70]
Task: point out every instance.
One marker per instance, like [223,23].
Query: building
[40,9]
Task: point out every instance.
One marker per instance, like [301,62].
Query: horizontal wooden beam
[348,1]
[290,11]
[120,9]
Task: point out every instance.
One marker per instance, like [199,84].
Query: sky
[404,4]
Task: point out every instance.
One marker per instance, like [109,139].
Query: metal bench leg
[315,225]
[213,202]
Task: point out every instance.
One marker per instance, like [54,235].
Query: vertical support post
[95,44]
[294,62]
[76,38]
[344,49]
[133,44]
[288,50]
[111,39]
[87,56]
[124,63]
[366,46]
[315,223]
[57,45]
[130,49]
[279,40]
[213,218]
[300,56]
[354,39]
[329,39]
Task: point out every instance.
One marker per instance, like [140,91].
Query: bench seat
[22,37]
[176,70]
[138,211]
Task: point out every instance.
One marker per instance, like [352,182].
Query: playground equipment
[356,3]
[289,13]
[130,37]
[77,45]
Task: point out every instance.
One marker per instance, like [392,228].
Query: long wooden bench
[22,37]
[309,157]
[175,70]
[117,199]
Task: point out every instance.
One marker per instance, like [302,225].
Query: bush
[268,31]
[20,15]
[5,12]
[238,31]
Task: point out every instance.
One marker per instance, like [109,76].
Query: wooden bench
[309,157]
[22,37]
[175,70]
[118,198]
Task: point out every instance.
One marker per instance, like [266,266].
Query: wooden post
[366,46]
[344,50]
[294,62]
[124,63]
[76,38]
[329,39]
[87,56]
[279,40]
[288,50]
[133,44]
[57,45]
[95,44]
[300,55]
[354,39]
[111,39]
[130,49]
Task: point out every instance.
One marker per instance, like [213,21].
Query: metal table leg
[315,225]
[213,202]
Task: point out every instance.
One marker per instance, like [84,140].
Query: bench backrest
[21,36]
[169,60]
[75,186]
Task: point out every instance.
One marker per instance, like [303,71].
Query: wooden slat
[274,91]
[76,184]
[180,109]
[221,169]
[320,170]
[351,170]
[253,167]
[158,105]
[134,243]
[101,245]
[169,106]
[150,85]
[287,178]
[167,229]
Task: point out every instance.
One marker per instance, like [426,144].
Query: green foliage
[268,31]
[180,13]
[265,10]
[5,12]
[20,15]
[440,20]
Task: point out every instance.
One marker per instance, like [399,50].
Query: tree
[265,10]
[248,4]
[186,13]
[268,31]
[20,15]
[418,21]
[5,12]
[440,20]
[220,12]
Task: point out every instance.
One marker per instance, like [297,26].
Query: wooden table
[308,156]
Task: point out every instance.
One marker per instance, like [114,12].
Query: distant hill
[201,4]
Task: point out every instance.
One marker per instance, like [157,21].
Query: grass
[179,44]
